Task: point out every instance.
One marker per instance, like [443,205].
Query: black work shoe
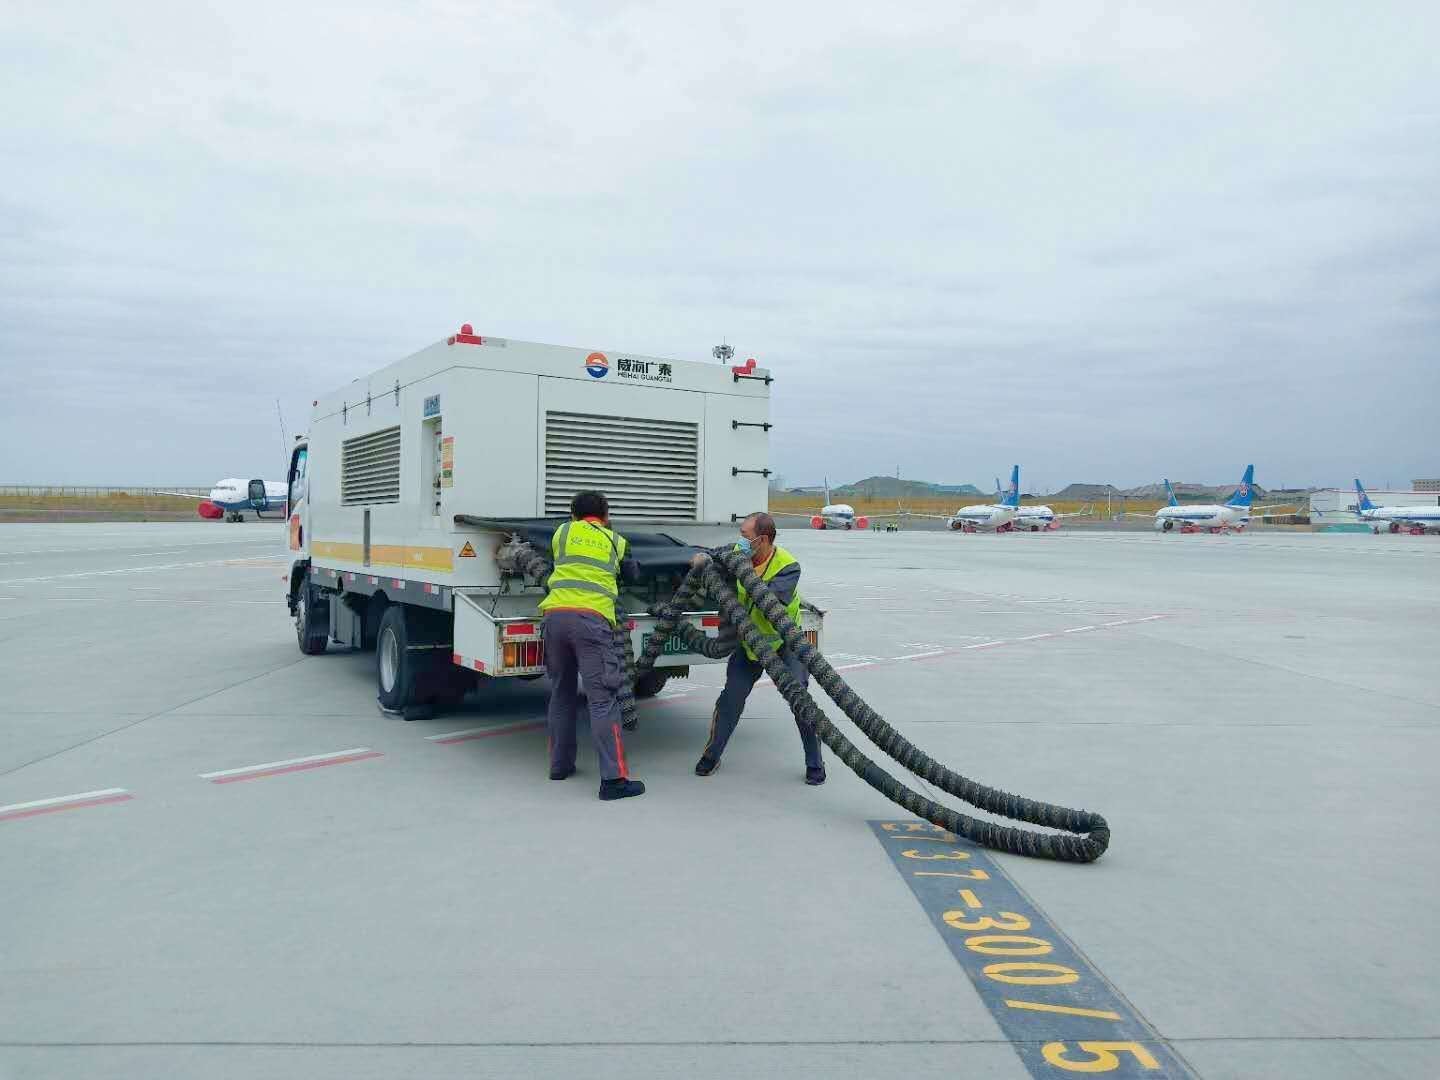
[620,789]
[815,777]
[706,765]
[562,774]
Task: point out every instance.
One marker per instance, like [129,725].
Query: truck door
[296,503]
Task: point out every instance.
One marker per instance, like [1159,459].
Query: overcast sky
[1107,244]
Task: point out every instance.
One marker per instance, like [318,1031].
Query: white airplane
[999,516]
[1038,518]
[232,499]
[1416,520]
[1234,514]
[835,515]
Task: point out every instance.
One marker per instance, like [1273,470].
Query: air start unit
[413,479]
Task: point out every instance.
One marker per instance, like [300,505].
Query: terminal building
[1334,509]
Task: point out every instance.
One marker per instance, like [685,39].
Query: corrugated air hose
[1083,836]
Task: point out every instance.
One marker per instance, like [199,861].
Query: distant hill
[1085,492]
[889,487]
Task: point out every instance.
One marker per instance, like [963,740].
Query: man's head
[759,529]
[590,504]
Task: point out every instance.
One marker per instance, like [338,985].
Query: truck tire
[395,663]
[312,620]
[651,683]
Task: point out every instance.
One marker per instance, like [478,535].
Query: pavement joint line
[121,570]
[64,802]
[276,768]
[150,716]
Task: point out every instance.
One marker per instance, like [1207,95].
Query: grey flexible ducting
[1085,835]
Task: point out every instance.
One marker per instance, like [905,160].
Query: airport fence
[91,491]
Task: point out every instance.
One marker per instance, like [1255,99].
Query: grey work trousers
[741,674]
[580,644]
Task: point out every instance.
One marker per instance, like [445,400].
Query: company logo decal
[596,365]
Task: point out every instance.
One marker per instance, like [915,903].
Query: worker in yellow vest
[781,572]
[578,629]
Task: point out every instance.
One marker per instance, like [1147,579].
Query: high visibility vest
[779,560]
[587,563]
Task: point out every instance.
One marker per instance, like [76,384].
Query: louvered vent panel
[370,468]
[646,468]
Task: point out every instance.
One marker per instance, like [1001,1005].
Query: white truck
[412,479]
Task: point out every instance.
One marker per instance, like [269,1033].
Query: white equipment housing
[410,475]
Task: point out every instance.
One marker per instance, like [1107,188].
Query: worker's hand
[700,559]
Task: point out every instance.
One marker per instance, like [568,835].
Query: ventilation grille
[370,468]
[646,468]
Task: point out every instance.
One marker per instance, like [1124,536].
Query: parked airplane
[998,516]
[1202,517]
[1416,520]
[232,499]
[835,515]
[1038,518]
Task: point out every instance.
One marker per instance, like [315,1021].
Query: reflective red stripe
[620,752]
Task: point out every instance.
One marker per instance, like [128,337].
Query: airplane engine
[209,511]
[862,523]
[1166,525]
[817,522]
[1394,526]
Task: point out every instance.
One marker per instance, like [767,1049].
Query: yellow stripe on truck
[440,559]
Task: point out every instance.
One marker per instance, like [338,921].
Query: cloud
[1105,243]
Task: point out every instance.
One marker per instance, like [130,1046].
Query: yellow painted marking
[971,900]
[973,874]
[1009,945]
[1103,1056]
[1031,973]
[1068,1010]
[1008,921]
[412,558]
[951,856]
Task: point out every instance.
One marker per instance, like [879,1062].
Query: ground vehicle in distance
[413,480]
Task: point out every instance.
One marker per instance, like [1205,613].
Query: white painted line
[983,645]
[1078,629]
[82,797]
[919,655]
[286,763]
[1034,637]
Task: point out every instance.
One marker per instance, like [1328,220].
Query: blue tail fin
[1245,493]
[1170,492]
[1363,501]
[1012,497]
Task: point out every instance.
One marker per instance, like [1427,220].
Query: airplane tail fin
[1170,493]
[1362,500]
[1245,493]
[828,499]
[1012,497]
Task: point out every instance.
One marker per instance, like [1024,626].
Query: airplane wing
[918,514]
[182,494]
[1084,511]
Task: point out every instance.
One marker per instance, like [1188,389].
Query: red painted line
[36,811]
[490,734]
[304,765]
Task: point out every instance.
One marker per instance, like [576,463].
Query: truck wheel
[394,662]
[651,683]
[312,620]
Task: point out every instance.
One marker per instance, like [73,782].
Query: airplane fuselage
[1201,518]
[1414,518]
[991,517]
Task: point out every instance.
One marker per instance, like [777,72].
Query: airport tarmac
[220,859]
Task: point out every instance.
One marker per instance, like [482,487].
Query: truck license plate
[674,645]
